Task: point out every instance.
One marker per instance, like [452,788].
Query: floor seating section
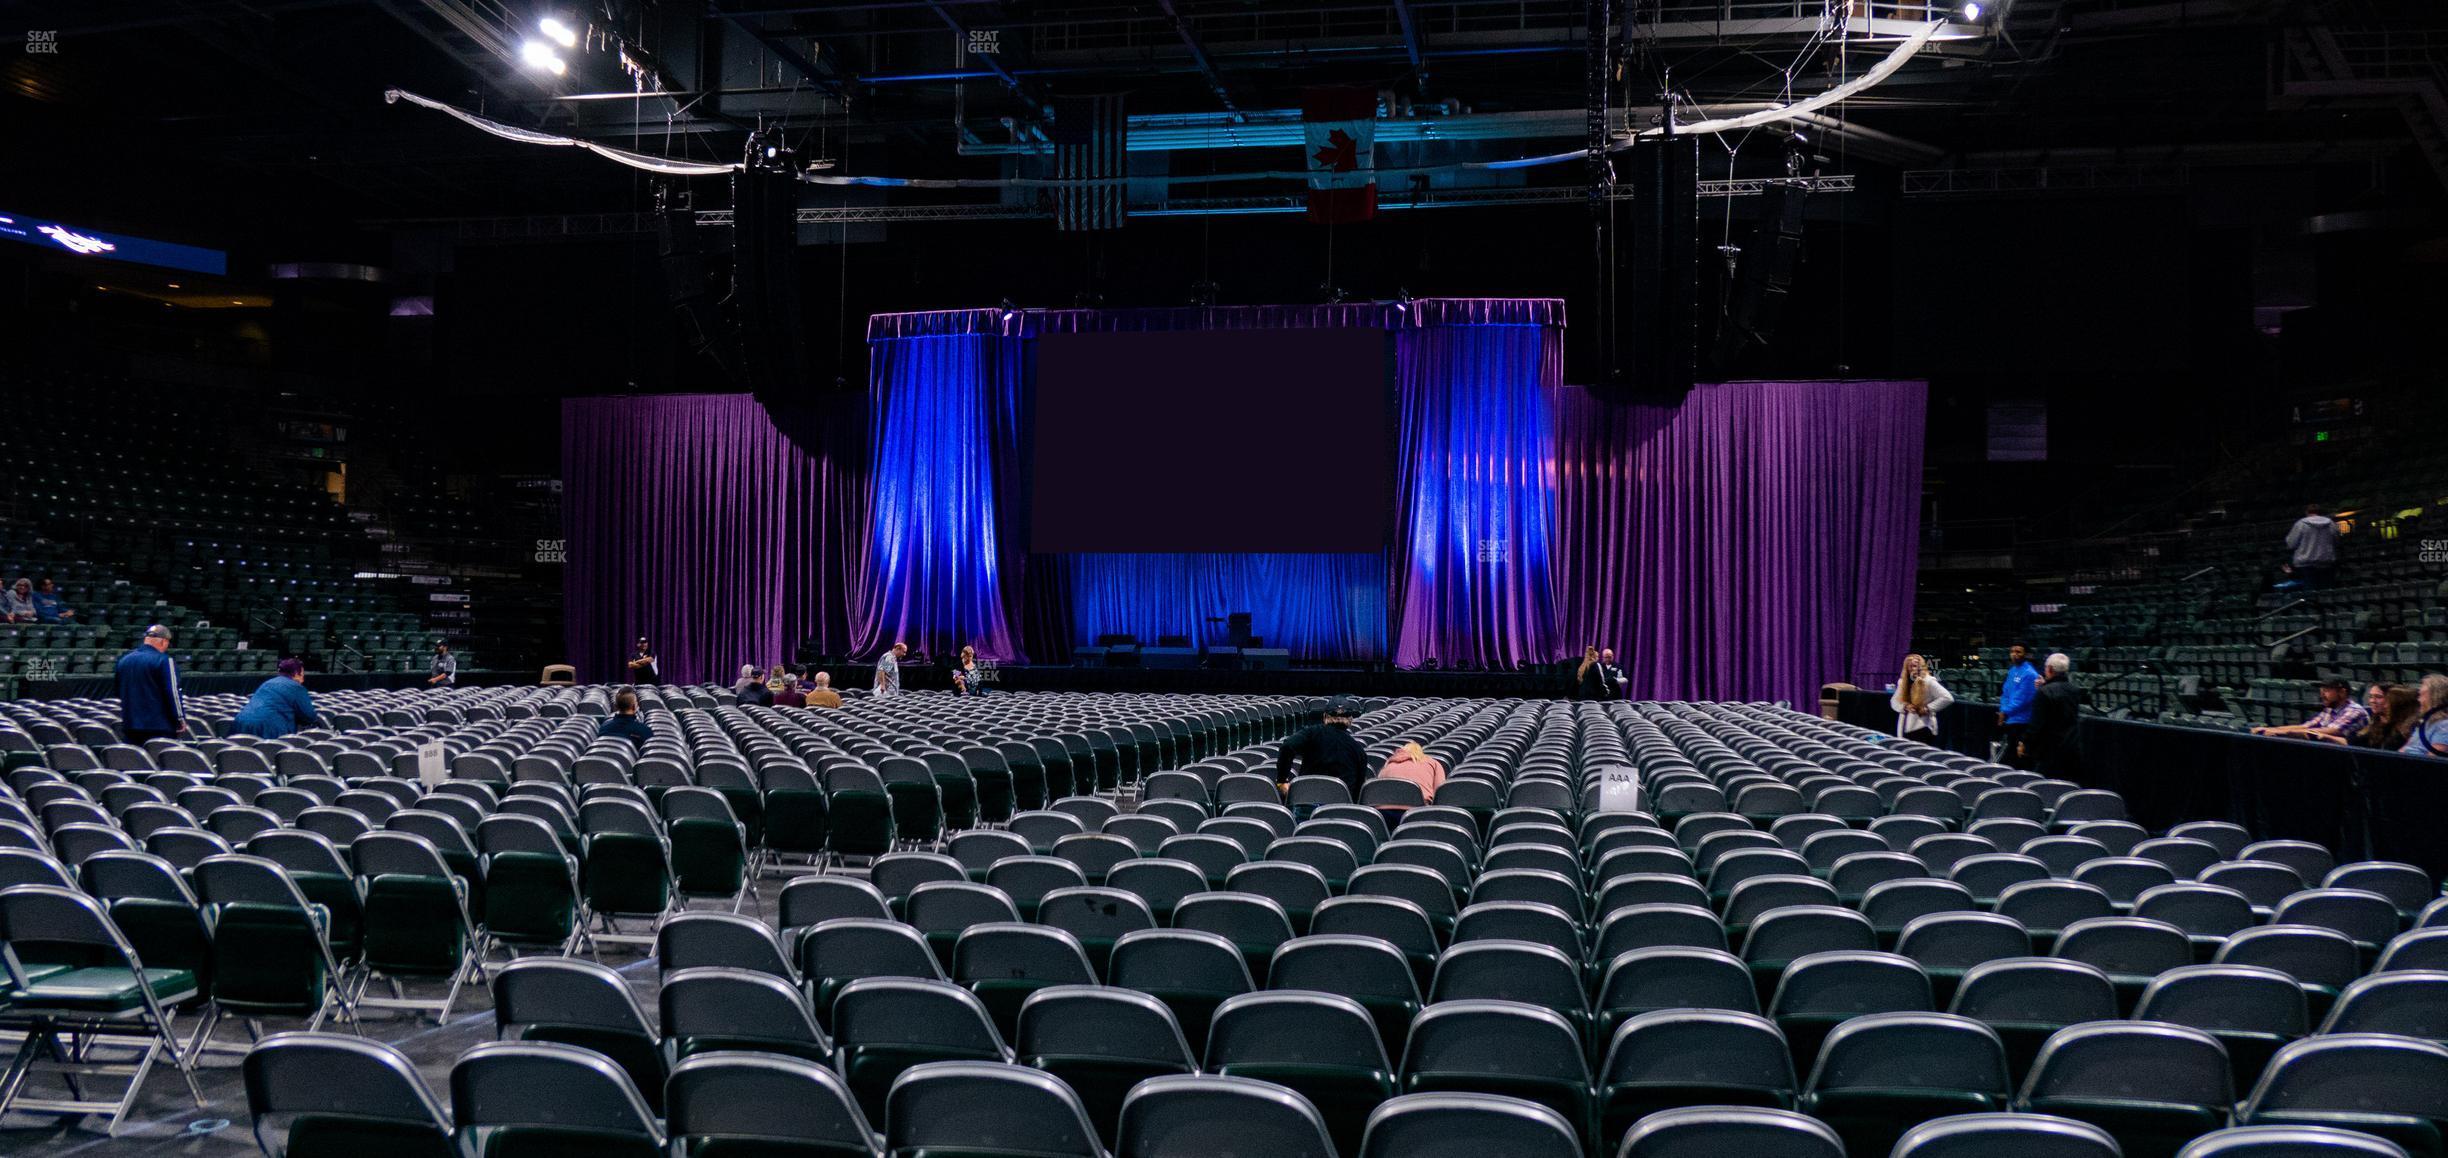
[1085,925]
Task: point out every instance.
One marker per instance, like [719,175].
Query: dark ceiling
[260,125]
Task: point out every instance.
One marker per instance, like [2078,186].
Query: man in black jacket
[2056,712]
[1327,749]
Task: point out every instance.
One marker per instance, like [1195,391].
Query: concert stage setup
[1428,494]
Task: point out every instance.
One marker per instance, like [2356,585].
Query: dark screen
[1212,440]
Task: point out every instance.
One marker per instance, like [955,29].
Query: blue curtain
[1476,495]
[1323,607]
[946,438]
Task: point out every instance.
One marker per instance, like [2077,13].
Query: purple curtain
[724,532]
[1754,542]
[1476,494]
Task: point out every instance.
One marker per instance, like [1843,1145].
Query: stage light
[541,57]
[561,34]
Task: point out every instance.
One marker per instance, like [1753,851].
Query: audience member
[1614,673]
[2340,717]
[747,675]
[2312,545]
[2428,734]
[965,681]
[1326,749]
[753,690]
[149,703]
[48,606]
[2052,740]
[2015,701]
[2393,709]
[17,603]
[888,671]
[1413,763]
[1918,699]
[445,667]
[642,669]
[1590,681]
[281,705]
[823,695]
[788,695]
[624,721]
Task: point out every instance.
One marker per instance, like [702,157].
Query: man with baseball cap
[2340,716]
[1326,749]
[149,703]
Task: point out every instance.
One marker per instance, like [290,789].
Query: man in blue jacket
[149,704]
[280,706]
[2015,702]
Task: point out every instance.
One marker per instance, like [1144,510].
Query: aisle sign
[1618,789]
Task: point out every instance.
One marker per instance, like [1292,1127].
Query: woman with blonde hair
[1589,680]
[1413,763]
[1918,699]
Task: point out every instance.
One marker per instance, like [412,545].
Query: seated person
[2428,734]
[17,603]
[624,721]
[789,696]
[281,705]
[2339,718]
[1413,763]
[48,607]
[823,695]
[753,690]
[2393,709]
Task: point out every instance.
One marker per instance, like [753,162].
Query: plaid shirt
[2348,718]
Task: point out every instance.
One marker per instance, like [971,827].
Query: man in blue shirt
[280,706]
[48,607]
[2015,702]
[624,721]
[149,704]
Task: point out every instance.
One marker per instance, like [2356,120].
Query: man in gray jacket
[2313,541]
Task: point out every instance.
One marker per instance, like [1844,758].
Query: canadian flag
[1339,126]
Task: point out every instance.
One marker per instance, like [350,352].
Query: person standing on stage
[642,668]
[149,703]
[1325,749]
[1918,699]
[2015,702]
[888,672]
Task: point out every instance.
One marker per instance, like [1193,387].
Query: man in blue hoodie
[149,704]
[2015,702]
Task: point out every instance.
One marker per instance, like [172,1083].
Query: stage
[1377,680]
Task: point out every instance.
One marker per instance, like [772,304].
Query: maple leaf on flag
[1341,153]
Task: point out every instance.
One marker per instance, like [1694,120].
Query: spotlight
[560,33]
[541,57]
[1971,11]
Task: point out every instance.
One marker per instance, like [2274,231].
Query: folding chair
[532,1099]
[100,996]
[416,922]
[321,1093]
[570,1001]
[764,1103]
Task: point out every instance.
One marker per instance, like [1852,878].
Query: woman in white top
[1918,699]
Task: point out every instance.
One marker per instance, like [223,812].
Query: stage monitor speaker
[1088,656]
[1660,298]
[1267,658]
[1122,655]
[1169,658]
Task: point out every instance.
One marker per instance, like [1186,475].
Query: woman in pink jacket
[1413,763]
